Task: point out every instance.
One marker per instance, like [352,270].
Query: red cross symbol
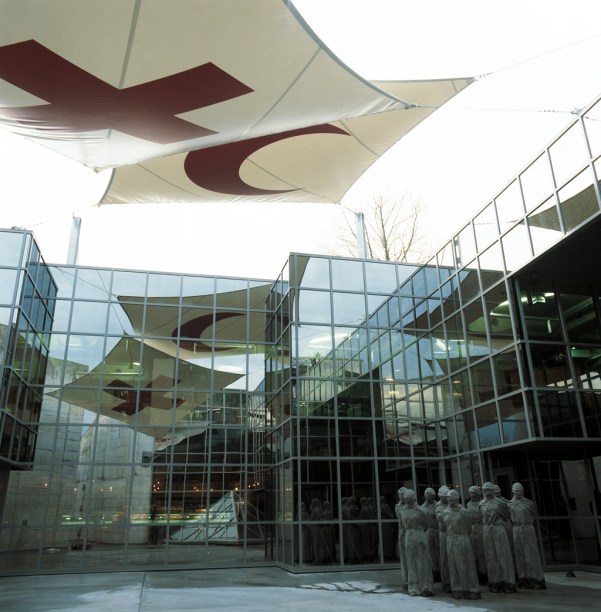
[80,102]
[147,399]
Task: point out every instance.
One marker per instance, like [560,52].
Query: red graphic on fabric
[147,397]
[194,329]
[80,102]
[218,168]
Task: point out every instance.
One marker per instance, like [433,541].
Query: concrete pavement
[269,588]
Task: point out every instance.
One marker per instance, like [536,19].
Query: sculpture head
[443,493]
[326,505]
[488,489]
[401,494]
[454,498]
[474,493]
[410,498]
[497,490]
[518,490]
[429,494]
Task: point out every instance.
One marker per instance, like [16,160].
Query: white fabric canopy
[197,100]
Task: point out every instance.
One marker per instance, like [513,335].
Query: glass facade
[153,420]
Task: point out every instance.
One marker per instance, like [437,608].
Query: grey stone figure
[366,530]
[329,534]
[462,567]
[344,514]
[316,514]
[527,556]
[429,507]
[441,508]
[398,510]
[419,568]
[355,552]
[473,507]
[389,530]
[306,537]
[499,560]
[508,523]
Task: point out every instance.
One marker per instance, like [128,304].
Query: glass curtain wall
[149,445]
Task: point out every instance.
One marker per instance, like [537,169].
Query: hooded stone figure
[441,508]
[398,510]
[306,535]
[429,507]
[473,507]
[462,567]
[497,552]
[317,535]
[355,554]
[527,556]
[419,568]
[329,535]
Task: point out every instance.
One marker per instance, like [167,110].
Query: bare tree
[392,231]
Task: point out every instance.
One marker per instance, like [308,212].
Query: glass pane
[93,284]
[568,154]
[347,275]
[488,426]
[466,245]
[541,314]
[89,317]
[537,182]
[380,277]
[349,308]
[164,285]
[580,315]
[130,284]
[11,244]
[577,200]
[314,306]
[544,226]
[485,225]
[8,281]
[516,247]
[509,206]
[491,266]
[316,272]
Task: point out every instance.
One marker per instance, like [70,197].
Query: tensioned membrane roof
[199,100]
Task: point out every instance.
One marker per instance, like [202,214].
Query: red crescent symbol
[194,329]
[218,168]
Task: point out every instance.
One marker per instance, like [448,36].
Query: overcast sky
[537,62]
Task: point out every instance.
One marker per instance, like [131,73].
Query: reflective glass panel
[516,247]
[347,275]
[485,226]
[537,182]
[568,154]
[10,248]
[380,277]
[578,201]
[544,225]
[509,206]
[314,306]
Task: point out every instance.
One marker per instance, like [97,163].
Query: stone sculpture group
[491,541]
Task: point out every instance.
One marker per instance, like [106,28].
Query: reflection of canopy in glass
[222,523]
[198,100]
[202,329]
[146,394]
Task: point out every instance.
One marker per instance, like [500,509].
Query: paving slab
[269,588]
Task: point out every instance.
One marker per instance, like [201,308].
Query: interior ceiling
[576,259]
[197,100]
